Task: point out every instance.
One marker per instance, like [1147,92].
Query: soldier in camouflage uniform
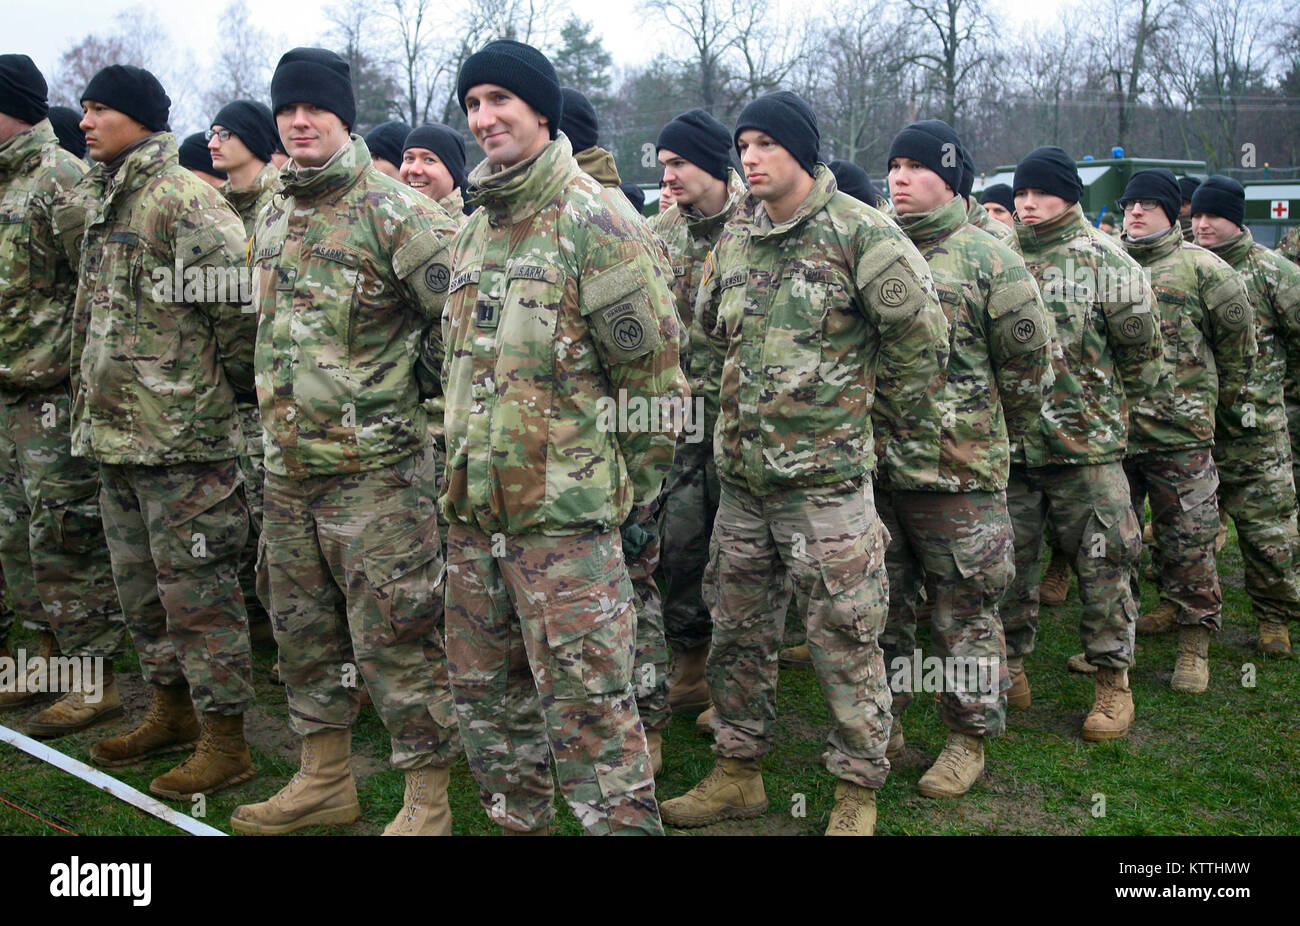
[1252,452]
[157,357]
[641,544]
[559,314]
[976,214]
[1107,356]
[350,274]
[817,308]
[433,163]
[241,139]
[941,485]
[1208,331]
[1289,247]
[51,539]
[695,150]
[999,203]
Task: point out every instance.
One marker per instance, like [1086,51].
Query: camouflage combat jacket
[351,273]
[559,311]
[1108,349]
[982,219]
[37,284]
[454,205]
[1207,326]
[160,340]
[249,201]
[812,323]
[999,361]
[1273,284]
[1289,246]
[690,237]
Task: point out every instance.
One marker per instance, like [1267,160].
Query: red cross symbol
[1281,208]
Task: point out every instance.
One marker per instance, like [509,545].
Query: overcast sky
[45,29]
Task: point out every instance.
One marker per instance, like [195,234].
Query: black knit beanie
[387,140]
[1001,194]
[1051,170]
[967,173]
[934,144]
[133,91]
[194,154]
[253,123]
[1187,186]
[67,126]
[317,76]
[1221,196]
[579,120]
[635,195]
[699,138]
[22,89]
[853,180]
[521,69]
[1158,183]
[446,143]
[788,121]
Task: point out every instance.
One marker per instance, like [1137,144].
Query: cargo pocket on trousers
[854,579]
[205,537]
[991,562]
[591,640]
[1112,536]
[405,575]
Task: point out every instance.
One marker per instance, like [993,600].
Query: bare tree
[950,44]
[244,60]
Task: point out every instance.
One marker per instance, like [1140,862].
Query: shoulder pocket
[618,310]
[425,261]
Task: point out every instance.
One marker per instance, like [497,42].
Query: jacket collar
[1147,252]
[332,178]
[26,146]
[1035,238]
[760,226]
[1235,248]
[509,196]
[925,228]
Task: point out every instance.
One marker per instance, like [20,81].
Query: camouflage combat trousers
[175,534]
[252,564]
[540,641]
[959,547]
[1092,513]
[1184,522]
[1257,489]
[355,568]
[690,503]
[52,543]
[651,659]
[832,544]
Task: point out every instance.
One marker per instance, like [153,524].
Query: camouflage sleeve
[706,320]
[68,218]
[1020,346]
[623,294]
[422,265]
[1134,338]
[211,238]
[894,284]
[1232,325]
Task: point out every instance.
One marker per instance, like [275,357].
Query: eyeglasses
[1148,205]
[223,134]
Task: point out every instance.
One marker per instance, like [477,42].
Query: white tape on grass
[94,776]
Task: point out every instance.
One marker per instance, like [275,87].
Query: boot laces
[1187,658]
[1110,697]
[844,815]
[954,755]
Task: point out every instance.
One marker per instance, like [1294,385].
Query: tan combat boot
[688,690]
[1192,664]
[1112,707]
[220,761]
[1159,619]
[955,769]
[1055,586]
[702,722]
[23,694]
[425,811]
[1079,663]
[1274,638]
[73,712]
[796,656]
[170,726]
[854,813]
[1018,694]
[897,745]
[321,793]
[732,791]
[654,742]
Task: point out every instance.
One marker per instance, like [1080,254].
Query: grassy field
[1226,762]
